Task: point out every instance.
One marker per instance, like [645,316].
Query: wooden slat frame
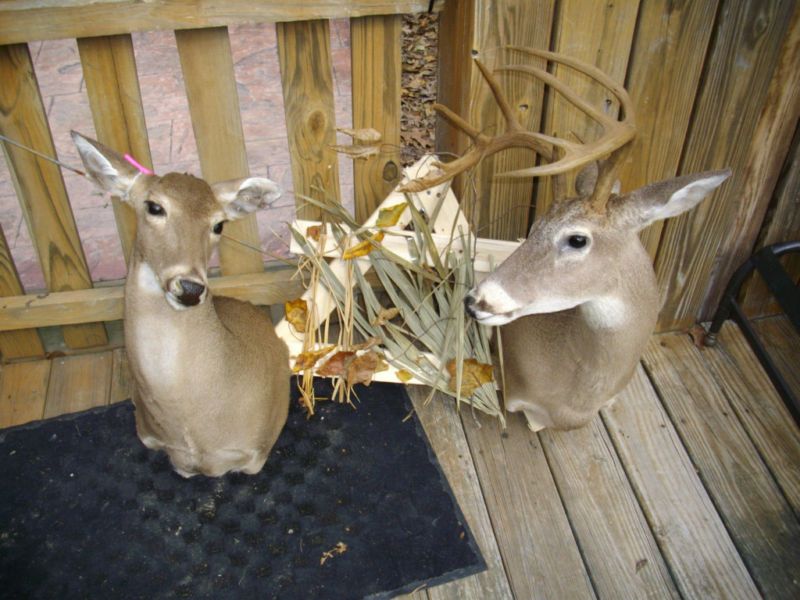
[32,20]
[40,187]
[375,51]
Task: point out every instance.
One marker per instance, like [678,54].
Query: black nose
[191,292]
[469,305]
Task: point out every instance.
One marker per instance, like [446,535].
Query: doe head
[581,249]
[179,217]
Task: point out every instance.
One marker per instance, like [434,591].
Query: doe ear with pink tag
[138,165]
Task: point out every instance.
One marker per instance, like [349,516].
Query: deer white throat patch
[605,313]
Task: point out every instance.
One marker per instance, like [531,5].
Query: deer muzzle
[184,293]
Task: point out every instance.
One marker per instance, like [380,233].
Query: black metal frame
[786,292]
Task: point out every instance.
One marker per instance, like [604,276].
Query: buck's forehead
[187,192]
[574,212]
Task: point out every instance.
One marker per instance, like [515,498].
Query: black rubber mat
[350,504]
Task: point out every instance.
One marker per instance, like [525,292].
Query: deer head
[179,217]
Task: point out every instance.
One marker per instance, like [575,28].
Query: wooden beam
[40,187]
[106,303]
[375,50]
[31,20]
[217,123]
[304,50]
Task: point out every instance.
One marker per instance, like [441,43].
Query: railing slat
[305,55]
[40,187]
[214,104]
[109,69]
[375,50]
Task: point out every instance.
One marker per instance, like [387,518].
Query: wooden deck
[689,486]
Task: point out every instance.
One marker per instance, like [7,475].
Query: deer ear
[664,199]
[105,167]
[244,196]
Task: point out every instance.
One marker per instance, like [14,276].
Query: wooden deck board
[687,487]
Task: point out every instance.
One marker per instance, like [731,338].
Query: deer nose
[469,305]
[191,292]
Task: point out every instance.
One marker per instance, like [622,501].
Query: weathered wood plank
[304,50]
[702,557]
[664,72]
[30,20]
[109,70]
[446,435]
[767,150]
[22,343]
[106,303]
[761,523]
[783,344]
[539,550]
[217,123]
[40,187]
[496,23]
[121,377]
[782,224]
[767,420]
[375,51]
[604,513]
[741,61]
[606,45]
[23,389]
[78,383]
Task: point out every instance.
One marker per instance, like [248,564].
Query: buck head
[582,248]
[179,218]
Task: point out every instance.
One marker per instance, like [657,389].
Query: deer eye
[577,241]
[154,209]
[218,227]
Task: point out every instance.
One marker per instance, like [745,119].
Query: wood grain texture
[666,64]
[40,187]
[767,151]
[758,406]
[30,20]
[702,558]
[539,550]
[781,225]
[106,303]
[207,65]
[759,520]
[304,50]
[744,53]
[375,51]
[23,390]
[121,377]
[109,70]
[606,45]
[22,343]
[604,513]
[500,207]
[78,383]
[446,436]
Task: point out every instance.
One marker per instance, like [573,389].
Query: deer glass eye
[154,209]
[577,241]
[218,227]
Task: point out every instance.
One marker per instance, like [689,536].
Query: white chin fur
[493,320]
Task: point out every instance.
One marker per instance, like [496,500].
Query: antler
[616,134]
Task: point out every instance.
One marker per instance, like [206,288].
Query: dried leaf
[367,344]
[338,549]
[388,217]
[384,316]
[473,375]
[297,314]
[698,335]
[404,376]
[367,135]
[363,367]
[313,232]
[357,151]
[336,365]
[362,248]
[307,360]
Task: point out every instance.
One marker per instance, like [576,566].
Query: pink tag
[141,168]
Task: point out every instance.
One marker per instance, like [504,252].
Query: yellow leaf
[362,248]
[404,376]
[388,217]
[297,314]
[306,360]
[473,375]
